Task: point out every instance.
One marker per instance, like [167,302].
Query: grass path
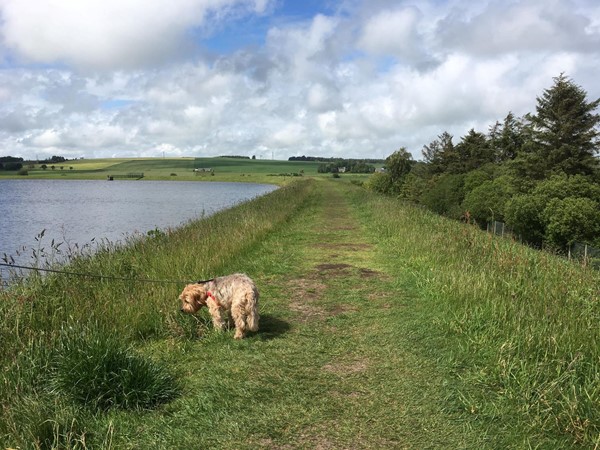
[334,365]
[381,392]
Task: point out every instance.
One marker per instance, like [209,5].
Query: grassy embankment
[383,326]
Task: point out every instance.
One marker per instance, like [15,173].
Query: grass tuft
[98,371]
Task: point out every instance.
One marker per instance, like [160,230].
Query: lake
[84,212]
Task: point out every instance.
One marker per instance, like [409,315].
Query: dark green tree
[507,138]
[473,151]
[398,165]
[564,129]
[571,219]
[440,154]
[485,203]
[415,183]
[445,195]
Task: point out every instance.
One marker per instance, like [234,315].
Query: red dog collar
[211,295]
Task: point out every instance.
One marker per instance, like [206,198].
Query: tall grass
[522,325]
[66,341]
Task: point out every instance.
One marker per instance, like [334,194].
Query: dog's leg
[215,313]
[252,315]
[237,313]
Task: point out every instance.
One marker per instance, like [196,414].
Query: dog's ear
[199,294]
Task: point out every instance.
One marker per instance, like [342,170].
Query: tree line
[332,160]
[16,163]
[346,165]
[539,173]
[338,165]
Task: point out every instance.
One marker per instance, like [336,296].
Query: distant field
[220,165]
[224,169]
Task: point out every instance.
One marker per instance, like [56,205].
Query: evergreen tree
[473,151]
[564,129]
[440,154]
[511,138]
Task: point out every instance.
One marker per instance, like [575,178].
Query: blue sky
[251,31]
[348,78]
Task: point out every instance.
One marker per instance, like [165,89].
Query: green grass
[382,326]
[224,169]
[95,370]
[520,326]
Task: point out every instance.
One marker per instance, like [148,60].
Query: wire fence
[500,229]
[585,253]
[581,252]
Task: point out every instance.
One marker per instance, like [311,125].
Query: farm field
[223,169]
[382,326]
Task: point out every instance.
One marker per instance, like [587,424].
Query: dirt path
[336,251]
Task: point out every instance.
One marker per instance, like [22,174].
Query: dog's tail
[252,306]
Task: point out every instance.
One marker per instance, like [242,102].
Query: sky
[278,78]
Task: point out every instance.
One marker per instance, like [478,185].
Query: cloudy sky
[278,78]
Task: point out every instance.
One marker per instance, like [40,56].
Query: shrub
[571,219]
[445,195]
[380,182]
[486,202]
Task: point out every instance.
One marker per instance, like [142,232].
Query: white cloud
[304,51]
[523,26]
[48,138]
[108,33]
[361,83]
[289,135]
[394,33]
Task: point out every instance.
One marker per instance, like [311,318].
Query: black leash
[105,277]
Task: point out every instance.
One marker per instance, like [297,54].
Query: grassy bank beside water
[382,326]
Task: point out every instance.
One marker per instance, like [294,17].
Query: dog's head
[193,297]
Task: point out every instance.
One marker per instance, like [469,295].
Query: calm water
[79,211]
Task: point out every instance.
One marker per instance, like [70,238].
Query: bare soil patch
[343,368]
[352,247]
[304,293]
[334,267]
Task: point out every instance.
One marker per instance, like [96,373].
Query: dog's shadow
[271,327]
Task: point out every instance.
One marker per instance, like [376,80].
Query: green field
[382,326]
[224,169]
